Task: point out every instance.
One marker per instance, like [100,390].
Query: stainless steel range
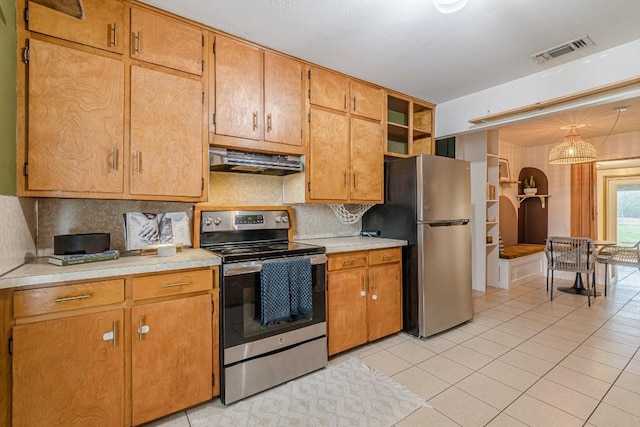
[272,316]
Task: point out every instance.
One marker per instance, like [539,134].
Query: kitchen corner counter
[354,243]
[41,272]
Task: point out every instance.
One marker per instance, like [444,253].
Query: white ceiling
[408,46]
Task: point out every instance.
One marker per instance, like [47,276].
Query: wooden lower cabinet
[364,303]
[171,356]
[85,358]
[69,372]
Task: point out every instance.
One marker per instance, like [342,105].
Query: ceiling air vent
[562,49]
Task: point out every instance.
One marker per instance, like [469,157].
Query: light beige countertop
[41,272]
[354,243]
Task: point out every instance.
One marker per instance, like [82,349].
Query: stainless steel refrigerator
[428,203]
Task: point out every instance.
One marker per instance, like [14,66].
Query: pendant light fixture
[572,149]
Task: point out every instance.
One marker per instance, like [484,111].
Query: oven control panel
[243,220]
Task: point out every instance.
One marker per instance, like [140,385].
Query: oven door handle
[256,266]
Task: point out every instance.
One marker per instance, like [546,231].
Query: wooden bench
[519,264]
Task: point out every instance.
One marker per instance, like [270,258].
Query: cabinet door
[238,89]
[346,309]
[166,134]
[165,41]
[385,300]
[76,116]
[366,100]
[282,99]
[69,372]
[367,161]
[180,332]
[329,89]
[329,155]
[101,26]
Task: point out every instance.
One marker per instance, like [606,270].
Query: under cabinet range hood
[223,160]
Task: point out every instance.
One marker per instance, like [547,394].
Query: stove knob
[279,220]
[285,219]
[217,220]
[208,221]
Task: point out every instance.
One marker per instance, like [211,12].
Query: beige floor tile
[507,374]
[629,381]
[527,362]
[615,347]
[633,366]
[420,382]
[473,328]
[621,333]
[467,357]
[542,351]
[587,318]
[385,362]
[576,326]
[566,334]
[506,308]
[486,347]
[455,336]
[463,408]
[359,352]
[504,420]
[577,404]
[500,315]
[411,352]
[532,324]
[493,392]
[631,324]
[623,399]
[536,413]
[391,340]
[609,416]
[592,368]
[539,317]
[502,338]
[518,331]
[554,309]
[554,342]
[176,420]
[435,344]
[426,417]
[486,320]
[601,356]
[445,369]
[578,381]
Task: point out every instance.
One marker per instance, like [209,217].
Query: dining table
[578,286]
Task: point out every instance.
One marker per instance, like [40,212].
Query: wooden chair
[618,255]
[573,254]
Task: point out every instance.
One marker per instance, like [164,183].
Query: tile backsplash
[17,229]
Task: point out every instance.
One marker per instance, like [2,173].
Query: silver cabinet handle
[111,335]
[387,257]
[348,261]
[142,329]
[373,283]
[345,101]
[114,39]
[77,297]
[137,155]
[269,122]
[354,104]
[114,162]
[345,179]
[174,285]
[354,181]
[137,37]
[255,120]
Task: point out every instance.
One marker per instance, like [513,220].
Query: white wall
[607,67]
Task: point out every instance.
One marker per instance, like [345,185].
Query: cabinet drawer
[347,260]
[69,297]
[383,256]
[172,284]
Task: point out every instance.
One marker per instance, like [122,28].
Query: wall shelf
[542,197]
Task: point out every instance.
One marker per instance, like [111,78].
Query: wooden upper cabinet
[366,100]
[367,161]
[69,372]
[166,134]
[75,120]
[102,25]
[238,89]
[328,89]
[160,40]
[283,104]
[329,156]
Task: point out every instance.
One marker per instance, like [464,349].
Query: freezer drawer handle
[449,223]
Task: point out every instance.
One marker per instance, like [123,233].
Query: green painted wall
[8,97]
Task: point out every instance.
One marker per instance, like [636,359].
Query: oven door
[242,333]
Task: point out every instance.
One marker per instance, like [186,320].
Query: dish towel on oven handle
[285,290]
